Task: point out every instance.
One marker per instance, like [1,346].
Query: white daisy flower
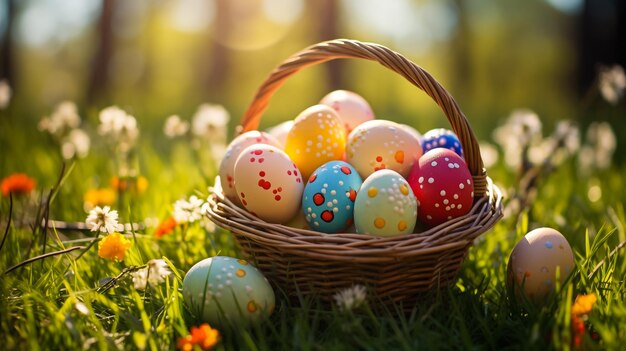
[188,211]
[5,94]
[119,126]
[350,298]
[76,144]
[210,122]
[64,118]
[612,83]
[174,126]
[103,220]
[154,274]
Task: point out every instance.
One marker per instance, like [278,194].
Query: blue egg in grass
[329,195]
[442,138]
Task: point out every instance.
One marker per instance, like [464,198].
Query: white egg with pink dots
[268,183]
[443,186]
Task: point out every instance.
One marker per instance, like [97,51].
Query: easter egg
[443,138]
[317,136]
[329,195]
[268,183]
[534,262]
[280,131]
[223,289]
[443,186]
[227,166]
[385,205]
[381,144]
[352,108]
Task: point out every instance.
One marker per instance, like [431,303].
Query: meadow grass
[72,301]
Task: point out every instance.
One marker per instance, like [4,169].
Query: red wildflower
[165,227]
[18,184]
[203,336]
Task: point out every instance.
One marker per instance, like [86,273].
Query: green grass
[38,300]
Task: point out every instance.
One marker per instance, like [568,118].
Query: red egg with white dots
[268,183]
[443,186]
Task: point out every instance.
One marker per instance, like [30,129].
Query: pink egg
[352,108]
[234,149]
[268,183]
[443,186]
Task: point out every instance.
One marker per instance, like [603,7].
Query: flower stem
[41,257]
[6,231]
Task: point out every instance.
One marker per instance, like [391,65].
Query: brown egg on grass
[534,263]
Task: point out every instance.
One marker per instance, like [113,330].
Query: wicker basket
[303,262]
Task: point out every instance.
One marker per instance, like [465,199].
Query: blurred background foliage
[157,58]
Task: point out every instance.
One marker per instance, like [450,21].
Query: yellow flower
[99,197]
[137,185]
[113,247]
[583,304]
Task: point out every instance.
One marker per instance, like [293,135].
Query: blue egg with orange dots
[442,138]
[328,200]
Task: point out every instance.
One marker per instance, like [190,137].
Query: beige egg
[381,144]
[234,149]
[280,131]
[352,108]
[268,183]
[534,262]
[317,136]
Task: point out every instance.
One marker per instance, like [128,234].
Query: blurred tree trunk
[99,80]
[219,70]
[601,38]
[327,17]
[6,51]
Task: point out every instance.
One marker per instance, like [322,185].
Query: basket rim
[457,233]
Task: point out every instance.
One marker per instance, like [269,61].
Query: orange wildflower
[113,247]
[18,184]
[138,184]
[99,197]
[165,227]
[581,307]
[203,336]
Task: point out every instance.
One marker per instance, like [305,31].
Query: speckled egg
[329,195]
[533,265]
[352,108]
[385,205]
[443,186]
[280,131]
[221,289]
[234,149]
[317,136]
[381,144]
[443,138]
[268,183]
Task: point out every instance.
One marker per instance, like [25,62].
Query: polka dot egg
[234,149]
[534,262]
[317,136]
[220,289]
[385,205]
[443,186]
[381,144]
[442,138]
[328,200]
[352,108]
[268,183]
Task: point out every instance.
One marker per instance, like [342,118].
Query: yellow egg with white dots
[317,136]
[221,290]
[385,205]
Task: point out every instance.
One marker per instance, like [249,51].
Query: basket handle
[345,48]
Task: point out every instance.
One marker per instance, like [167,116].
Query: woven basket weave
[304,262]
